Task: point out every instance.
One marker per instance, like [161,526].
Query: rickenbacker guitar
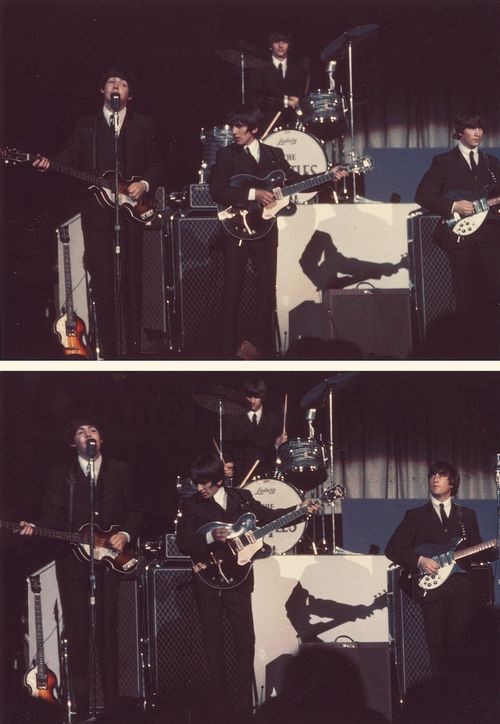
[254,222]
[228,564]
[141,212]
[124,562]
[40,680]
[450,232]
[445,557]
[69,327]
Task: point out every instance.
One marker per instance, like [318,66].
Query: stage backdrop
[339,246]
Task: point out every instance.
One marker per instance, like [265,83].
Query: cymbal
[316,397]
[234,50]
[233,403]
[355,35]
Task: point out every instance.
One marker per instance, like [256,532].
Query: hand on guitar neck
[118,540]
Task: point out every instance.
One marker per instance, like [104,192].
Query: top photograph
[278,180]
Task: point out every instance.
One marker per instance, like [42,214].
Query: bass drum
[323,113]
[303,152]
[276,494]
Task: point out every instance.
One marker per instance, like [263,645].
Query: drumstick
[284,413]
[266,132]
[248,474]
[218,450]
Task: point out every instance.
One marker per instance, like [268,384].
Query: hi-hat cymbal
[355,35]
[317,396]
[233,403]
[233,51]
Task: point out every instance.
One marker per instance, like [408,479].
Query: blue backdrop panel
[399,170]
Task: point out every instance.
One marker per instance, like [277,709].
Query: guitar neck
[280,522]
[88,178]
[40,655]
[475,549]
[46,532]
[70,312]
[310,183]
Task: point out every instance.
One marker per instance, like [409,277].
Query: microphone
[91,449]
[310,414]
[115,101]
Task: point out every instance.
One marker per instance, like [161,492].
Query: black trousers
[99,260]
[263,255]
[238,606]
[446,621]
[73,580]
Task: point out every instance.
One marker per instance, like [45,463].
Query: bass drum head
[303,152]
[277,494]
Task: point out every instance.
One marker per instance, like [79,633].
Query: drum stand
[330,478]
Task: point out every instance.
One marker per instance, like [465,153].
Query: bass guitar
[445,558]
[69,327]
[450,231]
[103,187]
[254,222]
[40,680]
[228,564]
[121,562]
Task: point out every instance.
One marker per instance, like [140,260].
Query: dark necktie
[444,517]
[473,164]
[281,70]
[254,421]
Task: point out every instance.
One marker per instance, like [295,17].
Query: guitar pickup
[277,192]
[228,213]
[130,564]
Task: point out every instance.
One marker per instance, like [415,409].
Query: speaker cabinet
[430,274]
[156,323]
[199,283]
[377,321]
[177,664]
[407,628]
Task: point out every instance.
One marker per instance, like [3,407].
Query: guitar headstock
[333,493]
[35,584]
[362,164]
[63,233]
[12,155]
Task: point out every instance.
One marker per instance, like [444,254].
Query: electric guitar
[450,231]
[445,557]
[228,564]
[40,680]
[69,327]
[141,212]
[124,562]
[254,222]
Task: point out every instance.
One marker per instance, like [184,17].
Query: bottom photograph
[250,547]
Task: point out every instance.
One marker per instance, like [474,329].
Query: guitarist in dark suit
[447,611]
[90,148]
[454,180]
[213,503]
[248,156]
[255,435]
[66,507]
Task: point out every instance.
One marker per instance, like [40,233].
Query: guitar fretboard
[475,549]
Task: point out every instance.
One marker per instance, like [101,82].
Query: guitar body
[121,562]
[72,336]
[42,687]
[141,211]
[453,232]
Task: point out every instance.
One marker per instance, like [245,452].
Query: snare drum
[302,462]
[213,139]
[303,152]
[323,114]
[276,494]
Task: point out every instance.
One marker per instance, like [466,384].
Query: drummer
[254,435]
[278,85]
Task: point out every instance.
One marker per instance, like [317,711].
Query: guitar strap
[460,514]
[71,482]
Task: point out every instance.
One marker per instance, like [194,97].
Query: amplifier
[199,197]
[172,549]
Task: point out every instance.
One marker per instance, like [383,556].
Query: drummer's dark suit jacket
[268,87]
[243,444]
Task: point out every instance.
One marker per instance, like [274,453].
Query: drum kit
[322,117]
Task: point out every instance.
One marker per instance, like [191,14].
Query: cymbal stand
[330,477]
[242,60]
[351,114]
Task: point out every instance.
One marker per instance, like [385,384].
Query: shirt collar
[84,464]
[277,61]
[220,497]
[121,116]
[466,152]
[436,504]
[250,414]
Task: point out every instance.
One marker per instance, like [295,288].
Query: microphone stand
[115,103]
[91,450]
